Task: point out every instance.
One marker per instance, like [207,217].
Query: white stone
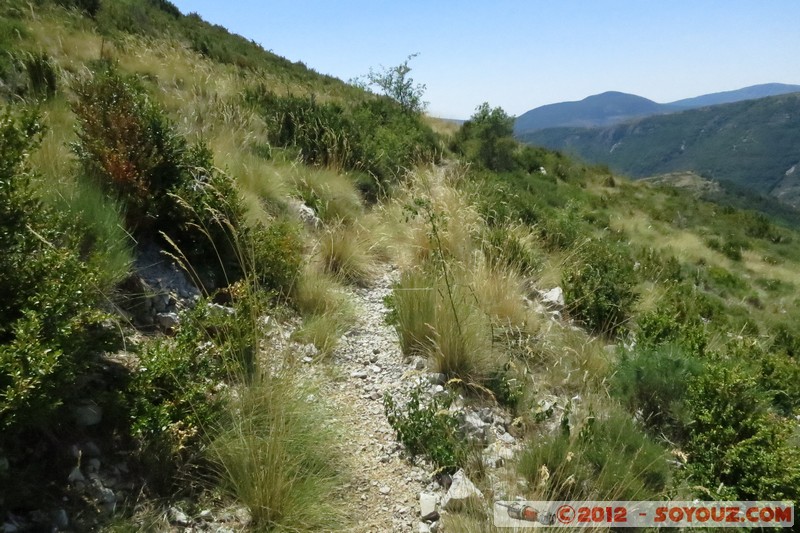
[427,503]
[178,517]
[462,491]
[507,438]
[554,296]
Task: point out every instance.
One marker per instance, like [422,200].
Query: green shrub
[428,430]
[507,385]
[487,139]
[607,459]
[652,383]
[169,191]
[561,228]
[277,255]
[50,328]
[679,319]
[598,287]
[737,448]
[655,265]
[786,340]
[127,145]
[175,398]
[731,247]
[375,137]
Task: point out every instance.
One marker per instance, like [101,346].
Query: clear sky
[521,54]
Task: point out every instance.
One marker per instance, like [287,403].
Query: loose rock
[462,493]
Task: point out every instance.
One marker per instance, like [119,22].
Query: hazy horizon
[521,55]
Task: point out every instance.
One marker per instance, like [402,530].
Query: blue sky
[522,54]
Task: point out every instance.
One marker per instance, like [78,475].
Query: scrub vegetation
[670,371]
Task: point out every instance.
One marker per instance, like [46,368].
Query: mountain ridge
[752,143]
[614,107]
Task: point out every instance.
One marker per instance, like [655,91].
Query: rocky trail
[370,365]
[393,492]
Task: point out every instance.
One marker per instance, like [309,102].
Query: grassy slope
[204,95]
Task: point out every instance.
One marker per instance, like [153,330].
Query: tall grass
[326,311]
[331,194]
[345,251]
[102,220]
[603,458]
[276,457]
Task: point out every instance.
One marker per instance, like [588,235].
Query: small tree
[487,137]
[396,83]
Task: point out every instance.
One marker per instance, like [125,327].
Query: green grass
[346,252]
[332,195]
[326,311]
[606,457]
[274,456]
[103,223]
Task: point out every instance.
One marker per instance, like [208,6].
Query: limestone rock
[554,297]
[427,503]
[462,493]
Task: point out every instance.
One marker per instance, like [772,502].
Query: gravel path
[370,364]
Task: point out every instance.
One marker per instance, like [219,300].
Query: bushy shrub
[176,396]
[598,287]
[487,139]
[50,329]
[658,266]
[652,383]
[561,228]
[737,448]
[678,319]
[428,430]
[171,191]
[127,145]
[277,256]
[375,137]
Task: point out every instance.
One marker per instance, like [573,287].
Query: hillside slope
[236,295]
[746,93]
[754,144]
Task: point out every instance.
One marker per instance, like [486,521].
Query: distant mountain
[754,143]
[612,107]
[599,110]
[728,97]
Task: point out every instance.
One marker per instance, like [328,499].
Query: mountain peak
[601,109]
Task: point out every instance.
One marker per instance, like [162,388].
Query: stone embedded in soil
[427,503]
